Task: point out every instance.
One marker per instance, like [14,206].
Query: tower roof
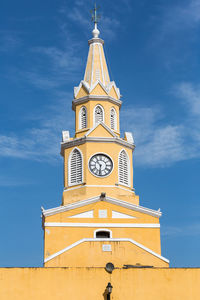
[96,71]
[96,67]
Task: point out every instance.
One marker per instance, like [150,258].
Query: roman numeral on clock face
[100,165]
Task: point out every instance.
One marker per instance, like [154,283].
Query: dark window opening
[103,234]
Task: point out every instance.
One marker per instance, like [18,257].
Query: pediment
[100,130]
[113,93]
[103,209]
[82,92]
[98,89]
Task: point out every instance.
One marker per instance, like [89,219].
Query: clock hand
[100,173]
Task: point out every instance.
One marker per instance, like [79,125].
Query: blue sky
[152,49]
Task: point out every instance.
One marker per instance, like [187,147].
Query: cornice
[82,140]
[95,98]
[95,40]
[134,207]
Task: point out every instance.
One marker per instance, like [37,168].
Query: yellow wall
[90,253]
[89,149]
[90,283]
[90,105]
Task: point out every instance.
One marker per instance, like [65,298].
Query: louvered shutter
[97,74]
[83,118]
[75,167]
[123,168]
[113,120]
[98,114]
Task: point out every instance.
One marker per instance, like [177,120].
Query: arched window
[83,118]
[103,234]
[113,119]
[123,168]
[75,167]
[98,114]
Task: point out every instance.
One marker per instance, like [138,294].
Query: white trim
[93,98]
[103,225]
[96,41]
[99,153]
[102,70]
[84,139]
[103,114]
[128,163]
[104,125]
[105,240]
[69,173]
[86,185]
[80,119]
[121,203]
[102,229]
[90,88]
[92,64]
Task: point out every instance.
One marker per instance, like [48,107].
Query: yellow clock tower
[100,219]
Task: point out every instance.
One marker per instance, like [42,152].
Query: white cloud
[13,182]
[183,230]
[191,96]
[42,142]
[158,141]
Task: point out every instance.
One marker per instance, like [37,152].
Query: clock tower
[100,219]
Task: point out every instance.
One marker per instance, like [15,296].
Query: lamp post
[109,290]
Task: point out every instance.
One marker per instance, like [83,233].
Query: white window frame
[94,114]
[128,162]
[69,168]
[115,119]
[102,229]
[80,118]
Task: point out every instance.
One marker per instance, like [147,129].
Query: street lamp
[109,290]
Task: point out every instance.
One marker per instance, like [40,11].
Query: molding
[121,203]
[92,64]
[102,70]
[96,40]
[93,98]
[82,140]
[105,240]
[103,225]
[87,185]
[100,123]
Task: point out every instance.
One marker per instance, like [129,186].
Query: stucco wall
[90,283]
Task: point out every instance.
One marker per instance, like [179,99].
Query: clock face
[100,165]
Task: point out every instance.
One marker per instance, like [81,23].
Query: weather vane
[95,16]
